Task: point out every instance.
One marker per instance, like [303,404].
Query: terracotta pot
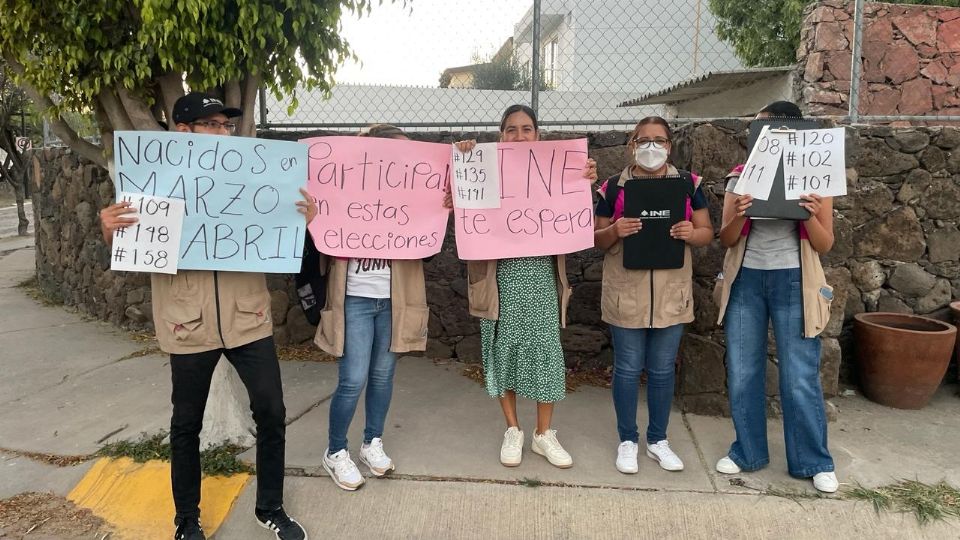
[955,308]
[902,358]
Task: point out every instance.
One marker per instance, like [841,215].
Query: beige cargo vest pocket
[478,289]
[817,303]
[184,321]
[413,324]
[253,311]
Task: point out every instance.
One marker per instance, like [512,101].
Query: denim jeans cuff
[755,466]
[810,472]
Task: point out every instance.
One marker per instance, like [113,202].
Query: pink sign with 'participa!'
[378,198]
[545,205]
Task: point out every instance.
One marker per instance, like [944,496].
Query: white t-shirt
[369,278]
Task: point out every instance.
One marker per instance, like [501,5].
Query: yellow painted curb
[135,498]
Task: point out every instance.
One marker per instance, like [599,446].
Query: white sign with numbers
[476,177]
[761,168]
[152,243]
[814,162]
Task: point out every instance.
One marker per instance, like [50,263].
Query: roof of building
[707,84]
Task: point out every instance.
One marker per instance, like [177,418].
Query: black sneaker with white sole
[281,524]
[188,528]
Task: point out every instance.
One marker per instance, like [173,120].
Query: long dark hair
[515,109]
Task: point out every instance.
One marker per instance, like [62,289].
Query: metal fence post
[535,60]
[855,65]
[263,105]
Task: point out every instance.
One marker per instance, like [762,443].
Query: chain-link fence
[446,64]
[603,64]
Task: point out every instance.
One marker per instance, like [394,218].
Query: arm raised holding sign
[375,308]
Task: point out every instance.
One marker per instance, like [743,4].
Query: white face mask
[651,158]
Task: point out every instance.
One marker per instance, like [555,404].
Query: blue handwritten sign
[239,194]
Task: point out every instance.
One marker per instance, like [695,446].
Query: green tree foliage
[504,72]
[766,33]
[127,61]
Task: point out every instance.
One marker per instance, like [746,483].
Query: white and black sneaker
[285,527]
[188,528]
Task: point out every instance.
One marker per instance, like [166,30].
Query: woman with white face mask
[646,309]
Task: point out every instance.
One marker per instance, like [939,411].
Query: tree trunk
[19,191]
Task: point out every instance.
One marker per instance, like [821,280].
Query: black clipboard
[660,203]
[777,206]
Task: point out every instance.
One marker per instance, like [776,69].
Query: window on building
[551,63]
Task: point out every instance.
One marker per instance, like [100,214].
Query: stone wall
[910,55]
[897,249]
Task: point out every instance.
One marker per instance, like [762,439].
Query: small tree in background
[16,120]
[766,33]
[127,62]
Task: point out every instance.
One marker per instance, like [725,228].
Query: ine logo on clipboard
[660,203]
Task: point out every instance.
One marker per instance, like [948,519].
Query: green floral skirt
[521,351]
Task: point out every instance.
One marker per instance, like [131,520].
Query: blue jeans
[366,361]
[756,297]
[636,349]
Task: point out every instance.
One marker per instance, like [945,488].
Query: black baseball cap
[197,105]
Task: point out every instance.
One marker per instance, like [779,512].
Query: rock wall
[897,249]
[910,59]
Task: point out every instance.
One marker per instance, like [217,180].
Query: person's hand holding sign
[627,226]
[813,203]
[116,216]
[307,207]
[743,202]
[682,230]
[590,170]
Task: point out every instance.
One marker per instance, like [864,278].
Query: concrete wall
[897,249]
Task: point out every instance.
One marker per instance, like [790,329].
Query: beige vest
[813,283]
[645,298]
[408,302]
[483,294]
[199,310]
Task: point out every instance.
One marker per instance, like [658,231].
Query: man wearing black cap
[199,315]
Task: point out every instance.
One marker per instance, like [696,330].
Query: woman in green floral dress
[522,306]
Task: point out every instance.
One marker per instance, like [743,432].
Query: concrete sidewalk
[71,385]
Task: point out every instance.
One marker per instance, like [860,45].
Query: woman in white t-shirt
[375,308]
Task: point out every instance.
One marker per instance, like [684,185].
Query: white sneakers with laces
[662,454]
[511,451]
[342,470]
[373,456]
[548,446]
[627,457]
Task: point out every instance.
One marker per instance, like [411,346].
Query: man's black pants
[256,363]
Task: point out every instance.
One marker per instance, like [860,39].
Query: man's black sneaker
[281,524]
[188,529]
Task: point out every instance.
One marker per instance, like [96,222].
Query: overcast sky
[412,46]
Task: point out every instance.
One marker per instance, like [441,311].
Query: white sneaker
[627,457]
[373,456]
[727,466]
[826,482]
[511,451]
[549,447]
[661,452]
[342,470]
